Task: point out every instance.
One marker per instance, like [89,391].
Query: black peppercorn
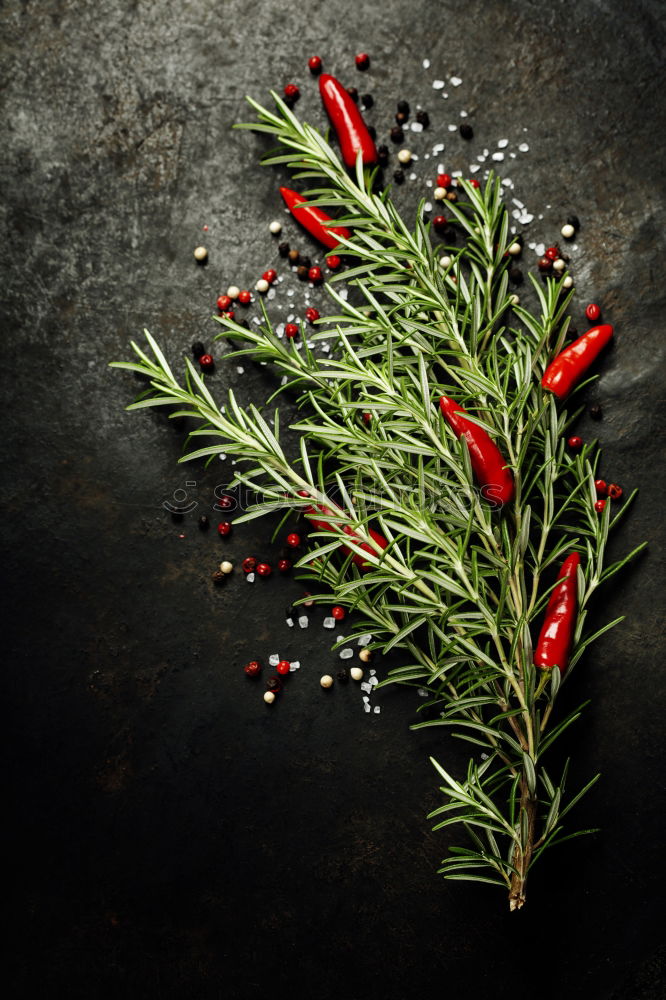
[244,323]
[572,331]
[343,676]
[401,117]
[403,106]
[204,523]
[283,249]
[274,684]
[399,176]
[306,262]
[595,409]
[516,276]
[372,132]
[353,93]
[545,265]
[573,220]
[397,135]
[367,100]
[466,130]
[294,256]
[218,576]
[302,272]
[382,155]
[198,349]
[423,118]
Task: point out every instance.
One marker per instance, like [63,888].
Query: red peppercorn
[475,184]
[284,565]
[224,529]
[311,314]
[552,253]
[225,503]
[292,92]
[600,505]
[291,330]
[206,362]
[263,569]
[253,668]
[575,443]
[444,180]
[593,312]
[223,302]
[315,275]
[228,314]
[439,222]
[367,418]
[245,297]
[314,65]
[283,667]
[333,262]
[545,264]
[249,564]
[614,491]
[270,276]
[600,486]
[362,61]
[338,613]
[293,540]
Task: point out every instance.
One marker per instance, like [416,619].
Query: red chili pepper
[313,219]
[312,515]
[570,365]
[346,119]
[488,463]
[556,636]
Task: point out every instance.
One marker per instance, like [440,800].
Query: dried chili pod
[314,219]
[488,463]
[556,637]
[346,119]
[313,514]
[570,365]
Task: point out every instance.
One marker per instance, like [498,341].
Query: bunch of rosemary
[460,586]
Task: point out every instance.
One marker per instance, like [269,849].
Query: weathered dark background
[170,836]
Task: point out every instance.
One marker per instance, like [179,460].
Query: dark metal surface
[171,837]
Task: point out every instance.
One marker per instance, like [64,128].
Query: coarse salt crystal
[363,640]
[464,114]
[502,143]
[412,177]
[473,167]
[366,708]
[250,577]
[373,680]
[428,206]
[524,148]
[455,81]
[426,64]
[416,127]
[422,693]
[274,659]
[453,128]
[372,673]
[377,709]
[304,621]
[295,665]
[540,249]
[329,623]
[345,654]
[437,84]
[498,157]
[437,148]
[366,687]
[240,369]
[256,321]
[290,622]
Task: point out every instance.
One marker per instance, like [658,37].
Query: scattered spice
[314,65]
[362,61]
[206,363]
[224,529]
[200,254]
[253,668]
[466,130]
[326,681]
[593,312]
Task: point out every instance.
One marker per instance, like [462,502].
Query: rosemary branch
[460,585]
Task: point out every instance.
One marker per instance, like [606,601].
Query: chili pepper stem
[522,854]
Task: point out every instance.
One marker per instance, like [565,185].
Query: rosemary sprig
[459,586]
